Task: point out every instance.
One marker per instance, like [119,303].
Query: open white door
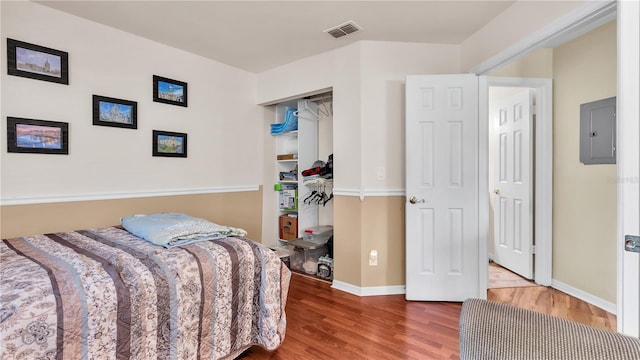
[442,207]
[628,111]
[513,192]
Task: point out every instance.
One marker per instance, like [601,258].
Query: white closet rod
[322,97]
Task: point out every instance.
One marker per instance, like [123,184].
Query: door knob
[496,191]
[415,200]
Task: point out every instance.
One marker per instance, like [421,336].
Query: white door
[628,112]
[442,236]
[513,189]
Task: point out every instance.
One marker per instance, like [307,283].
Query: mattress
[107,294]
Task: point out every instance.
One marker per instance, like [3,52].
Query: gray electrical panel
[598,132]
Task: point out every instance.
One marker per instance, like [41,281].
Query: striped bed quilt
[107,294]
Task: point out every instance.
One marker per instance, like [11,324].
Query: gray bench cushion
[492,331]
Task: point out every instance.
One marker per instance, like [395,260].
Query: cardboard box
[286,156]
[288,227]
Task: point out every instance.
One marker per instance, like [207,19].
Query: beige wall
[377,223]
[347,238]
[238,209]
[538,64]
[383,229]
[584,196]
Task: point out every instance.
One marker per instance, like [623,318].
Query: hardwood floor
[324,323]
[556,303]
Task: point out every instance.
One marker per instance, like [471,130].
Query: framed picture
[115,112]
[37,136]
[37,62]
[169,91]
[169,144]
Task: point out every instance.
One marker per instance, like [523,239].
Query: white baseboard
[584,296]
[369,290]
[401,289]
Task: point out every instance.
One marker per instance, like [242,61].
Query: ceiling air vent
[343,29]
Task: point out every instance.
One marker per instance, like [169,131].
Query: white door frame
[543,188]
[628,167]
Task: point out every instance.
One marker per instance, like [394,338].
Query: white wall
[520,21]
[220,120]
[367,79]
[337,70]
[385,66]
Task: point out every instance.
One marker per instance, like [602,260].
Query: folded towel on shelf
[290,122]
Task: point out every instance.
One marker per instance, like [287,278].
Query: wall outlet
[373,258]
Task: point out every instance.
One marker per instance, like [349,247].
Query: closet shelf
[287,133]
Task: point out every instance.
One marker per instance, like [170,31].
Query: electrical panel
[598,132]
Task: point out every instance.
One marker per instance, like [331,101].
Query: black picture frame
[108,111]
[37,62]
[37,136]
[169,91]
[169,144]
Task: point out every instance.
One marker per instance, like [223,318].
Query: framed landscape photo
[109,111]
[169,144]
[169,91]
[37,136]
[37,62]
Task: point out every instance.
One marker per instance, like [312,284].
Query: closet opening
[298,208]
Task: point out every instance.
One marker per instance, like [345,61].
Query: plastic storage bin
[325,268]
[318,234]
[284,253]
[305,256]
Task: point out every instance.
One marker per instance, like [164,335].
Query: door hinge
[533,249]
[534,110]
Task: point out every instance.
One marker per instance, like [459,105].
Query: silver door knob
[496,191]
[415,200]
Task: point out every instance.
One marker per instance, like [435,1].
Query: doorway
[511,186]
[541,165]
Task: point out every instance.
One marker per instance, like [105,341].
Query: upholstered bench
[493,331]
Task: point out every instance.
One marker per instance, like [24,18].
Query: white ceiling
[260,35]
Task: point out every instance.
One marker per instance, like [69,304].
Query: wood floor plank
[325,323]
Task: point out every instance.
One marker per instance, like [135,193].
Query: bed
[108,294]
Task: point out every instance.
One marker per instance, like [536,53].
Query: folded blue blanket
[176,229]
